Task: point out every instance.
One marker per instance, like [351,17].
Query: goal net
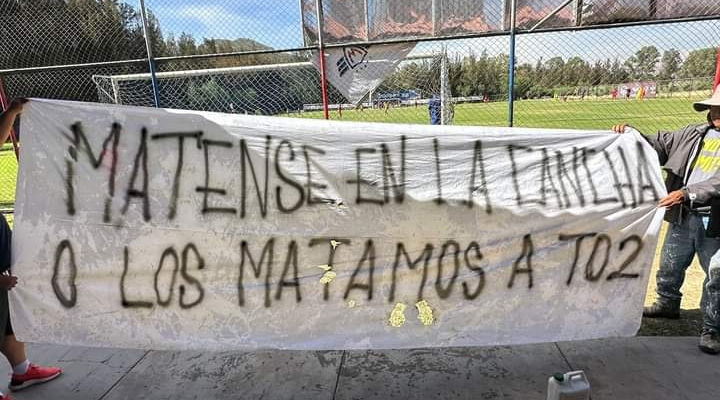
[287,89]
[260,89]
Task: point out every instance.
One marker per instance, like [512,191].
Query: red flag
[716,81]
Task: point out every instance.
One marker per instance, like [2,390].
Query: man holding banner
[25,374]
[691,158]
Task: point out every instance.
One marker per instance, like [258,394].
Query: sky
[276,23]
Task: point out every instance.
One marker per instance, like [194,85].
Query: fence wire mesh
[257,57]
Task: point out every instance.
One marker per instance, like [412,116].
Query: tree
[670,65]
[642,65]
[186,45]
[699,63]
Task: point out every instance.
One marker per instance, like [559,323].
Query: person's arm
[661,142]
[703,192]
[7,119]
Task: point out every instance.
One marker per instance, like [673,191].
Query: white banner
[161,229]
[356,70]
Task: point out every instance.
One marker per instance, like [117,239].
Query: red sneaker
[35,374]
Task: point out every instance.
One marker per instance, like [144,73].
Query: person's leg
[710,336]
[707,248]
[677,253]
[12,349]
[25,374]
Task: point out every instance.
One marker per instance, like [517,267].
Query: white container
[569,386]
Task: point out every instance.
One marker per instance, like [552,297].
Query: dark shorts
[5,256]
[5,244]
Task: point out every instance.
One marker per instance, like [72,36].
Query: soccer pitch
[649,115]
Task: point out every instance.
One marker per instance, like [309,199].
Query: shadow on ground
[689,324]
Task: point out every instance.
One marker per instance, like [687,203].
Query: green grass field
[8,172]
[649,115]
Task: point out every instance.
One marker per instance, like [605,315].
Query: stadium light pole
[321,54]
[151,60]
[511,63]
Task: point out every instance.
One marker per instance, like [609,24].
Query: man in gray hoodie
[691,158]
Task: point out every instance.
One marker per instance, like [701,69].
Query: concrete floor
[654,368]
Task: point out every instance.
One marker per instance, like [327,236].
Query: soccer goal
[258,89]
[283,88]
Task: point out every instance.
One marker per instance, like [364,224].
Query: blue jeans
[682,241]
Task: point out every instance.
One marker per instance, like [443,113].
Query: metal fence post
[511,63]
[151,59]
[321,54]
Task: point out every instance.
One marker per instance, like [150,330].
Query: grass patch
[8,174]
[648,116]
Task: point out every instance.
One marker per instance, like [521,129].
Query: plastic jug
[569,386]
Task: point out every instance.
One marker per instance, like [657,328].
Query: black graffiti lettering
[475,268]
[581,155]
[515,172]
[69,187]
[596,199]
[246,160]
[358,182]
[206,190]
[80,141]
[200,263]
[292,257]
[444,292]
[331,257]
[629,184]
[424,256]
[482,188]
[67,302]
[169,252]
[180,136]
[369,257]
[125,302]
[637,240]
[578,245]
[618,186]
[590,273]
[288,180]
[389,179]
[438,180]
[267,252]
[644,173]
[547,185]
[310,184]
[563,177]
[140,163]
[527,253]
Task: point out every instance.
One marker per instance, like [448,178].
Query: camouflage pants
[682,241]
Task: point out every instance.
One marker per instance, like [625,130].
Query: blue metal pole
[151,59]
[511,64]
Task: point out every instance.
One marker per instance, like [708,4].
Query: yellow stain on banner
[328,277]
[397,315]
[425,313]
[351,304]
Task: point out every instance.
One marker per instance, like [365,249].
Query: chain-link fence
[576,63]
